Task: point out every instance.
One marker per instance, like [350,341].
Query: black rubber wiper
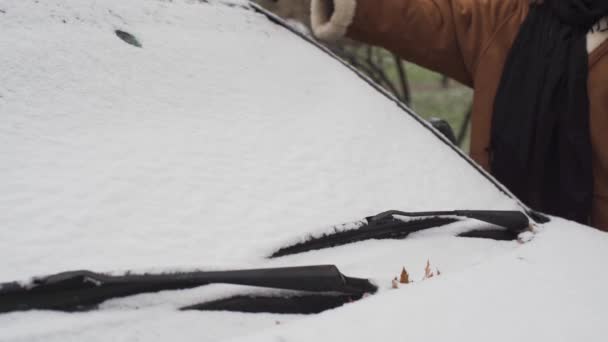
[82,290]
[388,225]
[515,221]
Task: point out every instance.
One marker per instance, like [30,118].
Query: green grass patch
[430,98]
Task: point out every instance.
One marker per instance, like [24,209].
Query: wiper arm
[514,221]
[388,225]
[79,290]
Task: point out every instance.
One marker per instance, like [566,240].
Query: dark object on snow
[541,145]
[82,290]
[445,129]
[491,234]
[128,38]
[511,220]
[387,229]
[386,226]
[304,304]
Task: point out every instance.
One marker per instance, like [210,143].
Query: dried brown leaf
[405,277]
[427,270]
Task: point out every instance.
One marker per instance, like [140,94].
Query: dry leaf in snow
[405,277]
[427,270]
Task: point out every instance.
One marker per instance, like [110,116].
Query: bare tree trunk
[464,126]
[405,87]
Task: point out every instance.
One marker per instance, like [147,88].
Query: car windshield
[212,150]
[206,131]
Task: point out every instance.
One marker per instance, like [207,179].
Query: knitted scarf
[540,145]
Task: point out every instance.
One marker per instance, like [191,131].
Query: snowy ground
[222,139]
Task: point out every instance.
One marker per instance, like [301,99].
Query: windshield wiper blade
[512,220]
[391,225]
[81,290]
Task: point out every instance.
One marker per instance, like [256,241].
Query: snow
[552,289]
[549,289]
[223,127]
[219,141]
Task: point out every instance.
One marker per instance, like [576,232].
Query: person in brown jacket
[554,54]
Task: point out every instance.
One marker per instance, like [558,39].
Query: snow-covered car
[221,176]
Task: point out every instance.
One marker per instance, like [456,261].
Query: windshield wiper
[396,224]
[82,290]
[510,219]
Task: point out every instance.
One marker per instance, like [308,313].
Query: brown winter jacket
[468,40]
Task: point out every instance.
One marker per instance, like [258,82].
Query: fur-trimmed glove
[330,18]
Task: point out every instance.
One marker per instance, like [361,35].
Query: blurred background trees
[428,93]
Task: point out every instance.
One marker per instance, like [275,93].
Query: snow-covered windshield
[221,126]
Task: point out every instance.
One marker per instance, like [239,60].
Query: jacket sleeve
[447,36]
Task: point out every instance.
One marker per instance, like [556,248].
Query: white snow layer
[222,137]
[219,140]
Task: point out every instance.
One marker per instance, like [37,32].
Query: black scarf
[541,146]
